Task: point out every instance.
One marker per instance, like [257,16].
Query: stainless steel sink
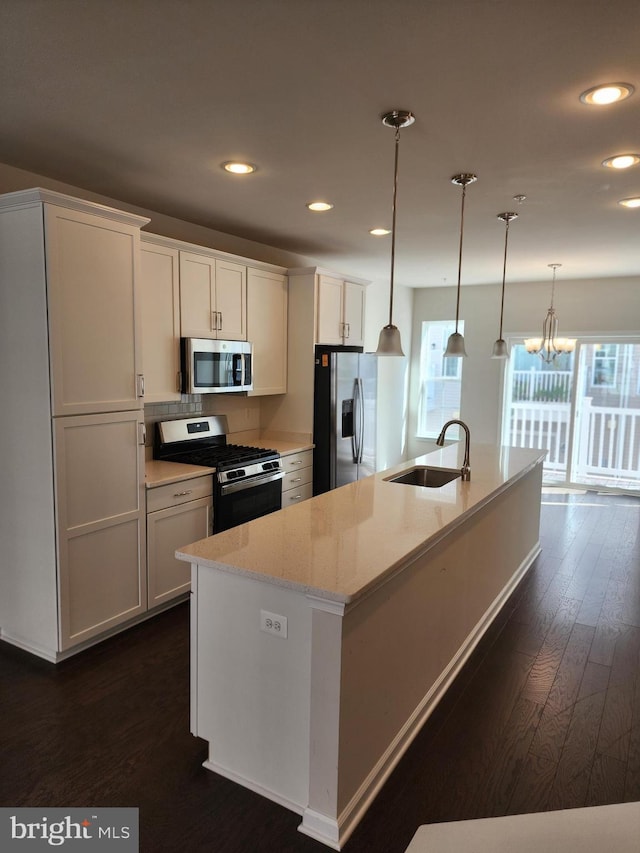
[425,475]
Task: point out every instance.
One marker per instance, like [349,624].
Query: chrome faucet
[465,471]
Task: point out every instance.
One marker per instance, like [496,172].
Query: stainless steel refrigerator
[344,416]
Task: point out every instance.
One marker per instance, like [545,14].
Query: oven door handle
[250,482]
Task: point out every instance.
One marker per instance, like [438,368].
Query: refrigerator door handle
[358,398]
[354,428]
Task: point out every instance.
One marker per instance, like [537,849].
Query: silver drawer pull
[296,462]
[297,480]
[295,497]
[182,494]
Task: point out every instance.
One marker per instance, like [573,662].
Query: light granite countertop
[159,473]
[281,446]
[343,543]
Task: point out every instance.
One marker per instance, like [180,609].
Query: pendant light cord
[504,274]
[393,223]
[464,192]
[553,282]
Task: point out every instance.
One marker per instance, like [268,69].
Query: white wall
[584,307]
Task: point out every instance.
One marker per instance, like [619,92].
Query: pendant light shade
[500,348]
[455,344]
[389,341]
[549,346]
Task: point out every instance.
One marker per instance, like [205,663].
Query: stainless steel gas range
[248,480]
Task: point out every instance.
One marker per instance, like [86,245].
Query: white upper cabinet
[92,265]
[354,302]
[160,315]
[340,311]
[213,298]
[267,295]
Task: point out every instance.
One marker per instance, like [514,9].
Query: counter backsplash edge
[243,416]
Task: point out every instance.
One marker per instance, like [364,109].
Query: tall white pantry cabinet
[72,519]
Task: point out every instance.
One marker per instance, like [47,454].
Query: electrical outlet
[274,624]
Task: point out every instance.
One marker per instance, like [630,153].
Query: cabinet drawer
[174,494]
[295,479]
[294,461]
[294,496]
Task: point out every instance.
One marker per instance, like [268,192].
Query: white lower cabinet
[298,480]
[99,461]
[177,514]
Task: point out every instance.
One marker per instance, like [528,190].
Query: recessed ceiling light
[621,161]
[607,93]
[379,232]
[319,206]
[237,168]
[630,202]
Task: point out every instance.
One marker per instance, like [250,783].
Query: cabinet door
[231,301]
[92,266]
[160,322]
[99,474]
[267,330]
[329,315]
[197,296]
[168,530]
[354,305]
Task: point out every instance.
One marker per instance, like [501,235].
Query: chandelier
[549,346]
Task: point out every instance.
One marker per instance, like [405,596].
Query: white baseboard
[254,786]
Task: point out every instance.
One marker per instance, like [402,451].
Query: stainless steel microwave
[215,367]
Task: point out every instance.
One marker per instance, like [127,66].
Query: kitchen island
[324,635]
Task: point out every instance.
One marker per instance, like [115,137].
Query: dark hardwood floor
[545,715]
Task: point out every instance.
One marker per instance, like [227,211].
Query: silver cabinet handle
[220,316]
[296,462]
[297,480]
[181,494]
[348,330]
[140,384]
[214,321]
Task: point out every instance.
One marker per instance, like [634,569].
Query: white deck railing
[542,425]
[608,441]
[552,386]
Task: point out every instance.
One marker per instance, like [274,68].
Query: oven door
[235,503]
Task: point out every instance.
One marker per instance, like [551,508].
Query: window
[440,379]
[605,364]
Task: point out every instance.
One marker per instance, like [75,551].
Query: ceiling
[142,100]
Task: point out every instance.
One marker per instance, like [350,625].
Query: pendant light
[549,345]
[500,348]
[455,344]
[389,341]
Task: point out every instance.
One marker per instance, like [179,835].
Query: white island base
[377,594]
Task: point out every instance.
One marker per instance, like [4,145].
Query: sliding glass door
[583,408]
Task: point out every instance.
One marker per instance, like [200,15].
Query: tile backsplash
[243,413]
